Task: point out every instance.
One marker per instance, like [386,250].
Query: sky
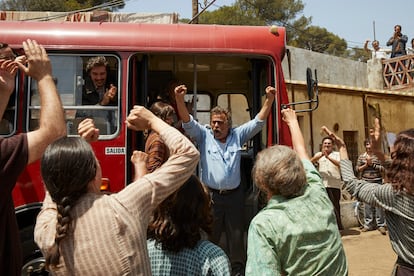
[353,20]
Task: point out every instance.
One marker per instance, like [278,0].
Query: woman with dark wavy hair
[175,243]
[82,231]
[396,196]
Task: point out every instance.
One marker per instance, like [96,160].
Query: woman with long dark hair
[175,242]
[396,196]
[81,231]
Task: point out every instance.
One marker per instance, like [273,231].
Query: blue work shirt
[220,162]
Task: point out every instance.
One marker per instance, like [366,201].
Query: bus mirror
[312,90]
[309,82]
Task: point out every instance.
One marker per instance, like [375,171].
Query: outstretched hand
[180,91]
[109,95]
[88,131]
[289,115]
[139,160]
[140,118]
[343,152]
[8,69]
[375,136]
[270,93]
[38,63]
[337,140]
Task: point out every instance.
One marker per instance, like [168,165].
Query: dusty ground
[368,253]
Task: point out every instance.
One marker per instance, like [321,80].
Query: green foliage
[359,54]
[320,40]
[229,15]
[256,12]
[288,13]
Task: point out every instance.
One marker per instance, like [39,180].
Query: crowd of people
[168,221]
[398,43]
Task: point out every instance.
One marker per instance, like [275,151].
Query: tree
[58,5]
[285,13]
[359,54]
[320,40]
[256,12]
[229,15]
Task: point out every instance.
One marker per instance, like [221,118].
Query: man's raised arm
[289,116]
[52,121]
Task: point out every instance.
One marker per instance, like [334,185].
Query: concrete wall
[346,101]
[330,69]
[350,96]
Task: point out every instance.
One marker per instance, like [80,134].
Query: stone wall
[330,69]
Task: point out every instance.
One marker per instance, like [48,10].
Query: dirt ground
[368,253]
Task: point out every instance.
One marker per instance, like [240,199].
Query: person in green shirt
[296,233]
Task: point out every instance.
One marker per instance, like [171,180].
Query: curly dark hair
[177,222]
[401,171]
[96,61]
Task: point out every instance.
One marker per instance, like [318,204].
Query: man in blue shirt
[220,156]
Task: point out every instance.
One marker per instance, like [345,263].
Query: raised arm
[333,136]
[375,136]
[139,161]
[171,175]
[340,144]
[267,105]
[8,71]
[51,123]
[180,92]
[88,131]
[289,116]
[366,46]
[140,118]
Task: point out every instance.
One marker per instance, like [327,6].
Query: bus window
[235,82]
[238,106]
[200,107]
[79,95]
[8,122]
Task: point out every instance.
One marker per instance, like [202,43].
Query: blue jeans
[374,216]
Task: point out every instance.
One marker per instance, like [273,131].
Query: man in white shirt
[376,51]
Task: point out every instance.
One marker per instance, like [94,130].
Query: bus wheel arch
[33,260]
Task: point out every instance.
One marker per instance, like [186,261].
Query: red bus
[221,65]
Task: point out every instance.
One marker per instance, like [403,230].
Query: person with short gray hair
[296,232]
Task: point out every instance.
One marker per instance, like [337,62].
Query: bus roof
[147,37]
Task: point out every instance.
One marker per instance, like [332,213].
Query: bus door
[235,82]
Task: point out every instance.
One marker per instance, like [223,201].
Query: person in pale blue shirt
[220,148]
[296,233]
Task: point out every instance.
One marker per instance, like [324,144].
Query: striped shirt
[372,173]
[398,208]
[108,234]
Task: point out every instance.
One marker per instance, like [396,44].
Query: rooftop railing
[398,72]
